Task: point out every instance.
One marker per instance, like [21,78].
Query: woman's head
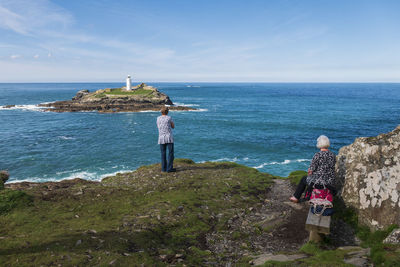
[323,142]
[164,110]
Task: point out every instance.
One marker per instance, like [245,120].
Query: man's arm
[172,124]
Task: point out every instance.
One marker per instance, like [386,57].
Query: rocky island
[140,98]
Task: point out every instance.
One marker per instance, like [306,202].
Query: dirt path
[274,225]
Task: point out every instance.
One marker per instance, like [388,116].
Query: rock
[78,242]
[370,172]
[393,237]
[357,256]
[261,259]
[80,94]
[4,175]
[356,261]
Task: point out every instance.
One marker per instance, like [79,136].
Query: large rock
[370,171]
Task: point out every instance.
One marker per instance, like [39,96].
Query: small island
[138,98]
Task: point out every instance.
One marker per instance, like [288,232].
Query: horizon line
[208,82]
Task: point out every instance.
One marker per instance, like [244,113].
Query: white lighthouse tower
[128,83]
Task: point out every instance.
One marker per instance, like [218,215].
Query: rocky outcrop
[141,98]
[4,175]
[370,171]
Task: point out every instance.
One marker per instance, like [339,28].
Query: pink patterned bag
[321,202]
[321,194]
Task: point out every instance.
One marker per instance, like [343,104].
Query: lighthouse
[128,83]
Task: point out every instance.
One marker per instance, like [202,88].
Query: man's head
[164,110]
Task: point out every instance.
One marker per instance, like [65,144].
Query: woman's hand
[309,171]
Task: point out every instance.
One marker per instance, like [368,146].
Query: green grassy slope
[143,217]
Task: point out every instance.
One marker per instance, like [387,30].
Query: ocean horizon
[271,127]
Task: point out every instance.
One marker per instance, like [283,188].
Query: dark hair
[164,110]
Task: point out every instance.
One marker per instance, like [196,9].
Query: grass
[143,217]
[10,199]
[321,257]
[121,92]
[295,177]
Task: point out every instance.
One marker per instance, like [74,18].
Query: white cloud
[36,56]
[15,56]
[30,17]
[11,21]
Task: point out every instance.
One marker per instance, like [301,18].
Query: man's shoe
[172,170]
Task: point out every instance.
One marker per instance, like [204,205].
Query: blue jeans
[167,166]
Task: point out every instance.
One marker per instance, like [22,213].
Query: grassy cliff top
[140,217]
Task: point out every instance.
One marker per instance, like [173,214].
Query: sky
[203,41]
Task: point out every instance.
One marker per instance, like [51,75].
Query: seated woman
[321,172]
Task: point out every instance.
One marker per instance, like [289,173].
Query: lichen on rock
[370,172]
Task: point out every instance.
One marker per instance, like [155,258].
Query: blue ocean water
[269,126]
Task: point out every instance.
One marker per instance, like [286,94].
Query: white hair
[323,142]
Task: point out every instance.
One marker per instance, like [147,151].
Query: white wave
[199,110]
[285,162]
[186,105]
[196,110]
[66,137]
[24,107]
[148,111]
[86,175]
[194,86]
[235,159]
[64,172]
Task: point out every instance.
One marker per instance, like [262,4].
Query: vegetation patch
[295,177]
[122,92]
[10,199]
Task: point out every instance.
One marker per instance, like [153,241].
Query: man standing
[165,125]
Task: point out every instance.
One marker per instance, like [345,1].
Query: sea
[271,127]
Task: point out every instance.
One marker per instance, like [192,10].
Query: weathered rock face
[370,169]
[142,98]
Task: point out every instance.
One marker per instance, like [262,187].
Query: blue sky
[216,40]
